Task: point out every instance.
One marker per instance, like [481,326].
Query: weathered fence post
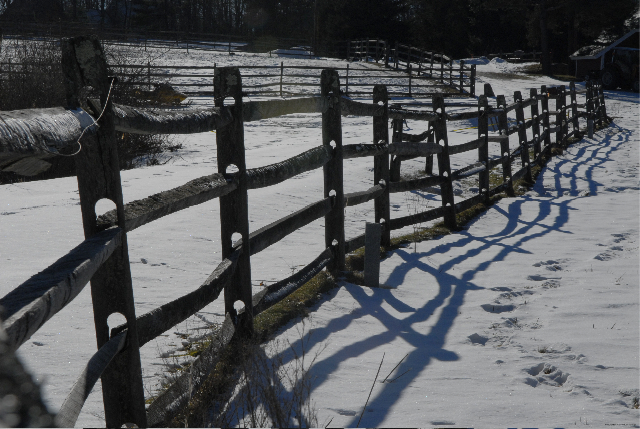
[409,71]
[234,211]
[444,165]
[461,76]
[503,129]
[98,173]
[595,95]
[333,176]
[560,117]
[522,136]
[349,50]
[473,80]
[366,55]
[381,162]
[281,76]
[590,124]
[603,106]
[483,150]
[372,234]
[535,124]
[545,116]
[396,137]
[574,108]
[377,50]
[441,68]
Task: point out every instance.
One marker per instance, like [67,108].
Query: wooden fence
[287,80]
[103,260]
[416,62]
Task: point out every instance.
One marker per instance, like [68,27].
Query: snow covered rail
[103,257]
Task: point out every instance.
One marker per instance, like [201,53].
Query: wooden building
[594,57]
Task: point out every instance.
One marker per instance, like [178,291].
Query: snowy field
[527,317]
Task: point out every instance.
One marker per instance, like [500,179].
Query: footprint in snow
[498,308]
[551,265]
[545,373]
[477,339]
[537,278]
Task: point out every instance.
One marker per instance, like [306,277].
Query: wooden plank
[462,116]
[194,192]
[276,292]
[425,216]
[98,173]
[30,305]
[461,148]
[163,318]
[355,198]
[355,243]
[406,114]
[332,171]
[415,138]
[258,110]
[276,231]
[41,133]
[469,170]
[279,172]
[72,405]
[469,202]
[141,120]
[354,108]
[411,185]
[234,208]
[414,149]
[363,150]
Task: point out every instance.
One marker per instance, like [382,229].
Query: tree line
[459,28]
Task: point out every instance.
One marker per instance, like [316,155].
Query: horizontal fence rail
[34,302]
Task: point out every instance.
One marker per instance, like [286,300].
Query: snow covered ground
[509,322]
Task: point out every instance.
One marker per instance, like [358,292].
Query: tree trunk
[544,42]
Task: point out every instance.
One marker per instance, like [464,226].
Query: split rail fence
[102,259]
[293,80]
[417,63]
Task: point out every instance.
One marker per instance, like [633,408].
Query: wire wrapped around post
[98,170]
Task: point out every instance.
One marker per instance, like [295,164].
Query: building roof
[596,51]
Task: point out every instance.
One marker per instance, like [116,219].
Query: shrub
[32,78]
